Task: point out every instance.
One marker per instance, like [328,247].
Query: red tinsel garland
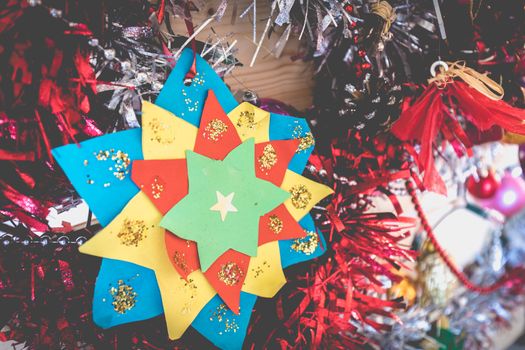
[328,306]
[47,90]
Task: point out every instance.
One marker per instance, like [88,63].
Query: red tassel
[429,115]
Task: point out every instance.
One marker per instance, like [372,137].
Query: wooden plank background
[280,78]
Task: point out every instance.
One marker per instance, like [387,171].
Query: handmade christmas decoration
[455,94]
[208,203]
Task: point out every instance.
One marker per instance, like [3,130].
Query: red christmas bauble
[483,188]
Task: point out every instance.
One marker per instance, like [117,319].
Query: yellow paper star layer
[164,136]
[265,274]
[182,299]
[135,236]
[251,121]
[304,194]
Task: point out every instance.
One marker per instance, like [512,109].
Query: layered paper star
[205,206]
[209,178]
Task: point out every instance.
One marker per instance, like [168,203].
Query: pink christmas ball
[510,196]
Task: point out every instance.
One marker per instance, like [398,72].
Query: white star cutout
[224,204]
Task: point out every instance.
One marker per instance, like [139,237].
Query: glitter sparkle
[300,196]
[306,245]
[124,297]
[215,129]
[230,274]
[276,224]
[268,159]
[246,120]
[132,232]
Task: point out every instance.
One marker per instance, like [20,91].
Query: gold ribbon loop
[476,80]
[384,10]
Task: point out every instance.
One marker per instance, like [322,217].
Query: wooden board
[280,78]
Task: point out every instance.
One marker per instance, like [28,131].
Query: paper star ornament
[202,208]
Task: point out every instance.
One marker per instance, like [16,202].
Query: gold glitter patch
[124,297]
[180,261]
[162,134]
[230,274]
[246,120]
[308,244]
[157,187]
[220,315]
[307,140]
[189,288]
[121,162]
[300,196]
[132,232]
[276,224]
[215,129]
[268,159]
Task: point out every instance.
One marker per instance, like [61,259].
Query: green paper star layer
[227,198]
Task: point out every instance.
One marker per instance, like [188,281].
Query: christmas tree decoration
[455,93]
[436,283]
[509,198]
[206,201]
[483,187]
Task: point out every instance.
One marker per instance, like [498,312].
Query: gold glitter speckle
[276,224]
[132,232]
[124,297]
[230,274]
[307,140]
[268,159]
[300,196]
[121,162]
[246,119]
[308,244]
[90,182]
[189,288]
[259,269]
[157,187]
[180,260]
[215,129]
[220,315]
[162,133]
[86,162]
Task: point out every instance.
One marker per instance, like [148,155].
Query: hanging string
[511,277]
[189,26]
[481,82]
